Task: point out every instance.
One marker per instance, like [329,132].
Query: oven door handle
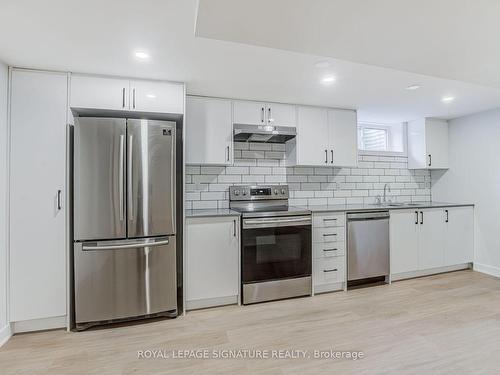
[266,223]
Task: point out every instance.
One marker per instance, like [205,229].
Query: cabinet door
[212,249]
[459,243]
[155,96]
[436,140]
[404,230]
[431,239]
[208,131]
[281,114]
[37,195]
[312,137]
[99,92]
[417,153]
[343,137]
[249,113]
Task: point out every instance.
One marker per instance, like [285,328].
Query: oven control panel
[248,193]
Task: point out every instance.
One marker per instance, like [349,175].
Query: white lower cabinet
[38,106]
[432,238]
[212,261]
[328,251]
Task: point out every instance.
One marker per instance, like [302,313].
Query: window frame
[390,134]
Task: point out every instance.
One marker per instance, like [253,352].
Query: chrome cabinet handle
[332,157]
[129,177]
[421,217]
[447,216]
[269,117]
[59,203]
[332,270]
[262,115]
[330,219]
[133,98]
[430,160]
[227,151]
[326,156]
[123,97]
[234,228]
[416,217]
[330,249]
[329,234]
[120,175]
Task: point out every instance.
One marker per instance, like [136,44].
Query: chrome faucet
[387,188]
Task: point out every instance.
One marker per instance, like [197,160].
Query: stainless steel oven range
[276,244]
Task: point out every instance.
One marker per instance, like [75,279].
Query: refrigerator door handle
[129,179]
[126,246]
[120,175]
[172,186]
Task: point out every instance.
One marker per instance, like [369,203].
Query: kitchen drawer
[333,234]
[328,220]
[329,270]
[328,249]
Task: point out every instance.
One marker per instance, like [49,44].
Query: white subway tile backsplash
[257,163]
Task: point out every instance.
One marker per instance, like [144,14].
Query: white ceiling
[455,39]
[97,36]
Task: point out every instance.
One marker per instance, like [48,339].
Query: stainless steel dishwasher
[367,247]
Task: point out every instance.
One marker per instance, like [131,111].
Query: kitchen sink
[397,204]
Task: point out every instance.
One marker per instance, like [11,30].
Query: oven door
[276,248]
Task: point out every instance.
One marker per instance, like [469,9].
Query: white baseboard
[489,270]
[432,271]
[211,302]
[5,334]
[39,324]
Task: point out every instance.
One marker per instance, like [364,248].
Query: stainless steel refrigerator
[124,219]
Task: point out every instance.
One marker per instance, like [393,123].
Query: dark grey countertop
[211,212]
[374,207]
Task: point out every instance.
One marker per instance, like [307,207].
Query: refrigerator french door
[124,219]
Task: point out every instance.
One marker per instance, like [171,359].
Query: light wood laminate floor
[443,324]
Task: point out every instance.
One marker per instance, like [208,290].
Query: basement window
[382,139]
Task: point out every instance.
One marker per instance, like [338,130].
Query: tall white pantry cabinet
[37,243]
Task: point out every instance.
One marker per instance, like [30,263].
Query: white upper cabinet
[155,96]
[343,137]
[325,137]
[258,113]
[38,109]
[428,144]
[99,92]
[281,114]
[208,131]
[249,113]
[123,94]
[312,136]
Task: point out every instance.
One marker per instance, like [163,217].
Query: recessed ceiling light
[447,99]
[328,79]
[413,87]
[141,55]
[322,64]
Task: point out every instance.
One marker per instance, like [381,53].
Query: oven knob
[236,192]
[275,191]
[283,191]
[244,192]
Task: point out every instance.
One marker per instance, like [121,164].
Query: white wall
[474,176]
[3,197]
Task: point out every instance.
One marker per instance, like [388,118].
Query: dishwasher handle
[368,216]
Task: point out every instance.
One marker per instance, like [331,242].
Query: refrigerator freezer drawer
[124,279]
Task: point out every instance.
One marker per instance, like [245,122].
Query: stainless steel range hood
[263,133]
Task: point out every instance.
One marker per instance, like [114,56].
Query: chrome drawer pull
[329,234]
[331,219]
[333,270]
[330,249]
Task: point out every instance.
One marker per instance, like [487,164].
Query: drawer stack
[328,251]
